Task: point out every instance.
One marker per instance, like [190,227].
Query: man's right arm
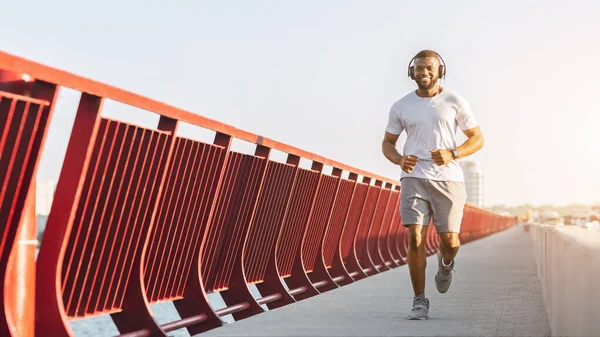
[388,146]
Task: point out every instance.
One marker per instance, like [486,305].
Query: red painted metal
[22,130]
[296,220]
[386,231]
[331,244]
[130,296]
[233,309]
[259,252]
[346,252]
[289,255]
[312,258]
[360,253]
[142,216]
[373,251]
[50,309]
[195,301]
[297,217]
[182,323]
[223,266]
[397,236]
[182,216]
[63,78]
[19,289]
[317,223]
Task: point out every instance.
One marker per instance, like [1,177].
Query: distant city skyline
[474,182]
[322,75]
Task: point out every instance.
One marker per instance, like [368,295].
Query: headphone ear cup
[411,72]
[442,71]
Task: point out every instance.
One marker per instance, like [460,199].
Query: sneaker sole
[414,318]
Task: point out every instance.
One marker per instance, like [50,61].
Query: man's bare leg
[417,258]
[449,245]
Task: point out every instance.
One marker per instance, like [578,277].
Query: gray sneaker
[420,309]
[443,278]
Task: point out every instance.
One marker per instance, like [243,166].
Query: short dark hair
[427,53]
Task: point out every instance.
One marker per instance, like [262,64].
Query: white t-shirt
[431,123]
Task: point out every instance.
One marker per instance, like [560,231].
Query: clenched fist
[441,157]
[407,163]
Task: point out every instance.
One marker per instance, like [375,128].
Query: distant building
[44,197]
[473,182]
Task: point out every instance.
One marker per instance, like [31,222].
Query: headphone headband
[441,70]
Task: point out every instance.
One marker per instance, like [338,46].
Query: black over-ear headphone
[441,71]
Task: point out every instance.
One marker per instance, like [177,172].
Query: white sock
[446,265]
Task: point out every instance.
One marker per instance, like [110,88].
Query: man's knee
[415,237]
[450,240]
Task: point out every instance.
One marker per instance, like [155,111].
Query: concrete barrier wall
[568,260]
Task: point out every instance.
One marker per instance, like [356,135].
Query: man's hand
[441,157]
[407,163]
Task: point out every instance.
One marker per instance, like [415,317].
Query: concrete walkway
[495,292]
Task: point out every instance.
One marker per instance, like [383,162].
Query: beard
[430,85]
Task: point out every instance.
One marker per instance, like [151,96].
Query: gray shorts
[422,199]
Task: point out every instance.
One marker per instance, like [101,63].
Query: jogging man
[432,180]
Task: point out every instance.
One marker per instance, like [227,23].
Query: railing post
[365,260]
[136,314]
[386,230]
[319,272]
[372,251]
[195,301]
[397,240]
[50,311]
[238,287]
[338,268]
[28,231]
[298,277]
[19,288]
[272,283]
[352,264]
[17,260]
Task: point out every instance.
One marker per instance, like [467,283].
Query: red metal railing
[143,215]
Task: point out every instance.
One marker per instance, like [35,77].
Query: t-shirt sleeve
[394,126]
[465,118]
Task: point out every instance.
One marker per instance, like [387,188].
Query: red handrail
[66,79]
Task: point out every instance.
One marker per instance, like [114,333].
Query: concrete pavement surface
[495,292]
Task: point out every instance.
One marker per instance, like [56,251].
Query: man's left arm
[473,144]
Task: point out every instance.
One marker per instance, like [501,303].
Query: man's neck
[429,92]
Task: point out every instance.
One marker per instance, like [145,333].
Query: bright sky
[322,75]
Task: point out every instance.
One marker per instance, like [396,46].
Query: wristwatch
[455,153]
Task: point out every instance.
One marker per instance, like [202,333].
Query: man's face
[426,72]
